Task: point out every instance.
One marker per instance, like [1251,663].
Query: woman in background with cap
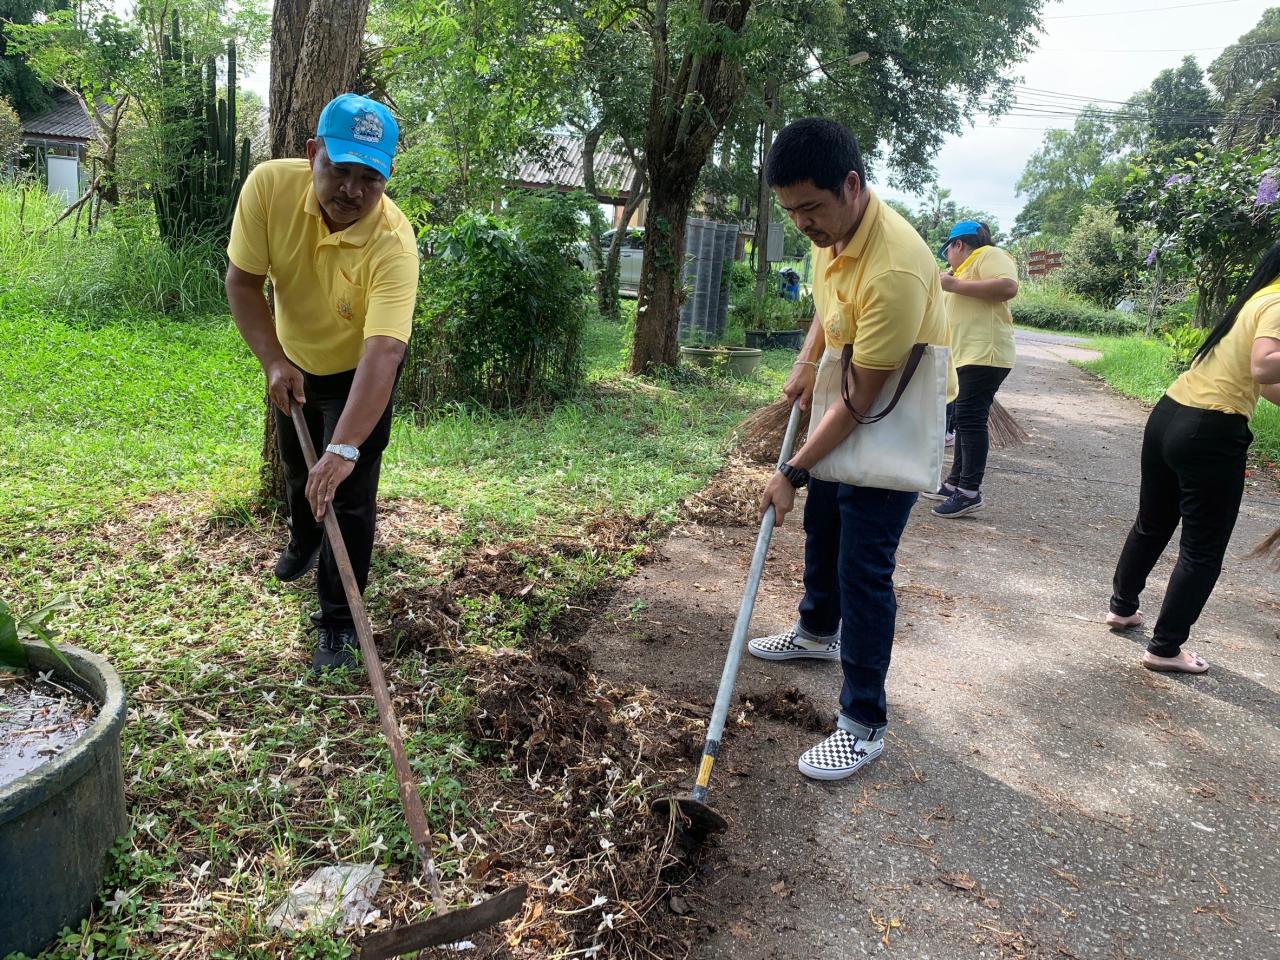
[980,282]
[1193,461]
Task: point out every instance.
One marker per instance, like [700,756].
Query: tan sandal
[1184,662]
[1117,622]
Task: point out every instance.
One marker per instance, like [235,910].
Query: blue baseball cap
[356,129]
[964,230]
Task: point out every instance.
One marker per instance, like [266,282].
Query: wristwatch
[345,450]
[796,476]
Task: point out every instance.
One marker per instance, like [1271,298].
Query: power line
[1219,46]
[1121,13]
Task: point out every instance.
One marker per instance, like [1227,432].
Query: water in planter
[38,720]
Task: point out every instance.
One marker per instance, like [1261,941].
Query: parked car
[630,259]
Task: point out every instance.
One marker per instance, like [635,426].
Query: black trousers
[978,386]
[354,502]
[1193,464]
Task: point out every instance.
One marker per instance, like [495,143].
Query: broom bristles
[760,435]
[1269,549]
[1004,430]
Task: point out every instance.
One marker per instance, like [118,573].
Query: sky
[1104,49]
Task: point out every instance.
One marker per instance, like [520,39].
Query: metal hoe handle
[409,798]
[734,659]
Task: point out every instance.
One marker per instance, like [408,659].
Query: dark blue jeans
[851,547]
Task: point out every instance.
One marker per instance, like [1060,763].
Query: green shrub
[1183,341]
[502,308]
[1100,259]
[771,313]
[1049,307]
[10,134]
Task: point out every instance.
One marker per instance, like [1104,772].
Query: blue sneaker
[944,492]
[958,505]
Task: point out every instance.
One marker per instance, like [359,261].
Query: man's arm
[253,319]
[837,424]
[804,371]
[366,402]
[997,290]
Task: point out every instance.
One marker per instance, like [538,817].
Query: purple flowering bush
[1214,214]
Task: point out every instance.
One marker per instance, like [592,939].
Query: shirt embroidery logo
[367,127]
[344,309]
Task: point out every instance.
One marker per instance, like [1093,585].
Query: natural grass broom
[760,435]
[1004,430]
[1269,549]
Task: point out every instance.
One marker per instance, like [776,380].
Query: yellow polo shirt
[1223,380]
[881,293]
[332,290]
[982,330]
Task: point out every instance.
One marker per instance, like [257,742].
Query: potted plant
[739,362]
[780,324]
[61,803]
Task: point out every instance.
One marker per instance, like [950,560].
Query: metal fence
[709,249]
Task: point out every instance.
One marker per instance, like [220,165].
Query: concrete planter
[58,822]
[776,339]
[738,362]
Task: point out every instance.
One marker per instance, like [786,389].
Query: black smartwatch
[796,476]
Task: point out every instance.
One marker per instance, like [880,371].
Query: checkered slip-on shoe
[840,755]
[791,646]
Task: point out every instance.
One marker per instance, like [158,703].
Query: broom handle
[409,796]
[740,626]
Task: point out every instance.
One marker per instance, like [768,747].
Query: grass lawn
[128,451]
[1139,367]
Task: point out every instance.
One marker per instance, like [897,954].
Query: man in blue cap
[343,263]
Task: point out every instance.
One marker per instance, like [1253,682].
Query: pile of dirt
[732,498]
[579,763]
[788,705]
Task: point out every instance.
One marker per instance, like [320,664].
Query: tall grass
[1140,367]
[123,267]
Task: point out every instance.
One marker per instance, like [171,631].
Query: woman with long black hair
[1193,463]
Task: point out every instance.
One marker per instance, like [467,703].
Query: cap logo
[366,126]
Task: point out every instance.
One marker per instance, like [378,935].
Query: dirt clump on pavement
[788,705]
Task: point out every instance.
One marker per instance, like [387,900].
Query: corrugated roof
[66,120]
[562,167]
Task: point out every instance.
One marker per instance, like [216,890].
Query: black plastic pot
[58,822]
[775,339]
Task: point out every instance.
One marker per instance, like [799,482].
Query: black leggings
[1193,464]
[978,386]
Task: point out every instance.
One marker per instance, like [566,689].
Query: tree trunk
[606,297]
[764,205]
[635,196]
[661,291]
[688,106]
[315,55]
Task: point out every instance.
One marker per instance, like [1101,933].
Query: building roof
[561,167]
[66,120]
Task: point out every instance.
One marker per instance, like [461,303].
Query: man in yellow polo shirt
[343,263]
[875,287]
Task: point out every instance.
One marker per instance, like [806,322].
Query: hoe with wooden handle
[445,926]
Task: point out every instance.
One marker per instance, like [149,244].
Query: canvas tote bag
[899,445]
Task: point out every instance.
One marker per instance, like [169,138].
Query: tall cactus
[197,196]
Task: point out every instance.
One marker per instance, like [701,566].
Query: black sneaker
[295,561]
[958,505]
[942,493]
[337,648]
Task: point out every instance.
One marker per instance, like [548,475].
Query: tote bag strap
[908,371]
